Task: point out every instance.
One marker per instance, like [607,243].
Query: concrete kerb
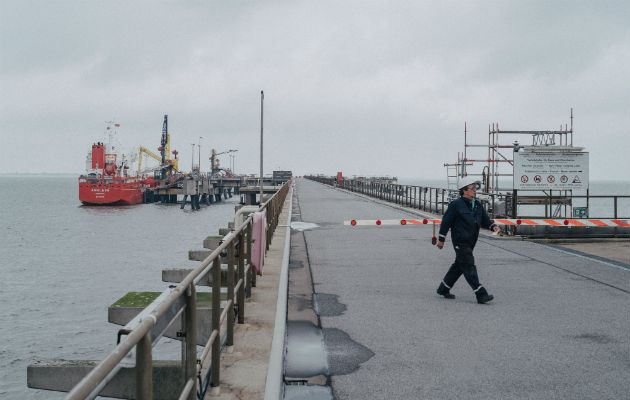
[274,386]
[256,364]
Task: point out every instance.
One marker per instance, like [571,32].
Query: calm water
[63,264]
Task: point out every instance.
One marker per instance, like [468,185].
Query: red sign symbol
[551,179]
[524,178]
[537,179]
[564,179]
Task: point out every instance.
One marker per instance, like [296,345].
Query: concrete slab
[557,329]
[63,375]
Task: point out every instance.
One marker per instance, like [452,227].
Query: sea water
[63,264]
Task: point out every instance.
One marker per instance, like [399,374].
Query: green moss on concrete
[143,299]
[136,299]
[204,299]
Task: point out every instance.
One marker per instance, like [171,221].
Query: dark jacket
[463,222]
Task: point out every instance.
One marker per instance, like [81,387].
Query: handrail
[435,200]
[93,382]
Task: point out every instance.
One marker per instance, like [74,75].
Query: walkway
[557,329]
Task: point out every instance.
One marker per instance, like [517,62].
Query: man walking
[464,217]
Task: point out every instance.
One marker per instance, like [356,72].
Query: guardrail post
[424,204]
[442,201]
[190,319]
[241,275]
[436,199]
[269,224]
[144,369]
[230,296]
[216,322]
[252,278]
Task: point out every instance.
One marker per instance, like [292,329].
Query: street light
[200,137]
[192,158]
[262,99]
[233,163]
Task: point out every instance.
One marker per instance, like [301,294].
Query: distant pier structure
[207,189]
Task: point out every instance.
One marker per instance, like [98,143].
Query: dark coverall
[464,223]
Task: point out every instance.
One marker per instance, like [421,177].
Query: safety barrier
[507,222]
[159,315]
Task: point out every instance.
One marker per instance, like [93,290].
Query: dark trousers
[464,265]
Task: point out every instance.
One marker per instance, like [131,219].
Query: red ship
[107,180]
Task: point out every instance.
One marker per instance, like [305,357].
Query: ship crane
[214,162]
[168,165]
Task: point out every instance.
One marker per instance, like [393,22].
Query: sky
[363,87]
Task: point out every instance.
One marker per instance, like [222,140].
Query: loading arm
[149,153]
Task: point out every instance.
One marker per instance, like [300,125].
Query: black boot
[482,296]
[442,290]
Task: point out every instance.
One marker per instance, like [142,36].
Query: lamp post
[262,99]
[192,158]
[232,157]
[200,137]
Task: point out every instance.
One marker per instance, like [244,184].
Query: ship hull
[110,194]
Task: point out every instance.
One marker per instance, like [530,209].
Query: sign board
[550,171]
[580,212]
[282,176]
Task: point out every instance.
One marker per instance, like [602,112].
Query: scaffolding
[499,162]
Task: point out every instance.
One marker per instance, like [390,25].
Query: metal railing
[198,373]
[424,198]
[435,200]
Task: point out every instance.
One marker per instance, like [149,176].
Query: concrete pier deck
[557,329]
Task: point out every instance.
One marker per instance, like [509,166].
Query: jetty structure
[345,311]
[324,288]
[109,181]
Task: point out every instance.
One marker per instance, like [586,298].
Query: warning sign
[561,171]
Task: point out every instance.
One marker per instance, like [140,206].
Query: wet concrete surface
[344,354]
[305,356]
[557,329]
[305,362]
[328,305]
[310,351]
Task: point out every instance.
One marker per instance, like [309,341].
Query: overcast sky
[363,87]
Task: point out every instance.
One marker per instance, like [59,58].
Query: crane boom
[165,149]
[167,164]
[150,154]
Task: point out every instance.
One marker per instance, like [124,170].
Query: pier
[556,329]
[206,189]
[362,301]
